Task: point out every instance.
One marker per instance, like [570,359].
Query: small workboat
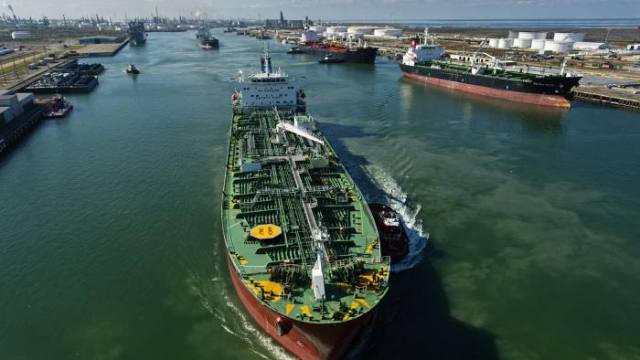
[394,241]
[330,59]
[131,69]
[295,50]
[59,107]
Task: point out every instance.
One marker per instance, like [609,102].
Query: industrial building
[20,35]
[282,23]
[13,105]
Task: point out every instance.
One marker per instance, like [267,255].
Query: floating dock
[626,97]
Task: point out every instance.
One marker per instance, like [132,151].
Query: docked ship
[202,33]
[358,52]
[424,62]
[137,33]
[303,249]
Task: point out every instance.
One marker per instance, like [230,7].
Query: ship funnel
[265,62]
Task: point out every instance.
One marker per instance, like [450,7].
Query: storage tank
[538,44]
[582,45]
[558,46]
[522,43]
[336,29]
[309,36]
[532,35]
[317,28]
[387,32]
[493,43]
[512,34]
[20,35]
[365,30]
[564,37]
[355,36]
[504,43]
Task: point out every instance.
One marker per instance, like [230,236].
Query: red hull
[305,341]
[527,98]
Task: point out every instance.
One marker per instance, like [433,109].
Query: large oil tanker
[423,62]
[359,53]
[303,250]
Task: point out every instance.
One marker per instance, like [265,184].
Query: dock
[95,50]
[622,97]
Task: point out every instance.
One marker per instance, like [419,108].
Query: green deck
[281,174]
[495,73]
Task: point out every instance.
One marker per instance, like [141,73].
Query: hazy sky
[333,9]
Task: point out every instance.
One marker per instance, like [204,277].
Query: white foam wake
[396,198]
[245,329]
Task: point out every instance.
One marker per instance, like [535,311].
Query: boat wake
[234,321]
[394,196]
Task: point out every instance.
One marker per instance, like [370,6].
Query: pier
[626,97]
[96,50]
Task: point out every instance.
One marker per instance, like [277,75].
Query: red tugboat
[393,238]
[59,107]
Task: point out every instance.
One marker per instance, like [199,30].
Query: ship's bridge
[268,89]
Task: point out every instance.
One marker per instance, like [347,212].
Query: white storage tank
[582,45]
[493,43]
[309,36]
[538,44]
[336,29]
[20,35]
[387,32]
[317,28]
[522,43]
[568,37]
[355,36]
[512,34]
[532,35]
[365,30]
[558,46]
[504,43]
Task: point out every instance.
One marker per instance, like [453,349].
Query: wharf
[626,98]
[22,83]
[94,50]
[11,134]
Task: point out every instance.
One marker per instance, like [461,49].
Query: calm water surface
[111,241]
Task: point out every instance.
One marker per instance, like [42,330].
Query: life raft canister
[282,326]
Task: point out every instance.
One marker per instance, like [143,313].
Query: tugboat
[131,69]
[393,237]
[295,50]
[330,59]
[209,43]
[59,107]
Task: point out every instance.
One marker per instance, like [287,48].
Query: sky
[332,9]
